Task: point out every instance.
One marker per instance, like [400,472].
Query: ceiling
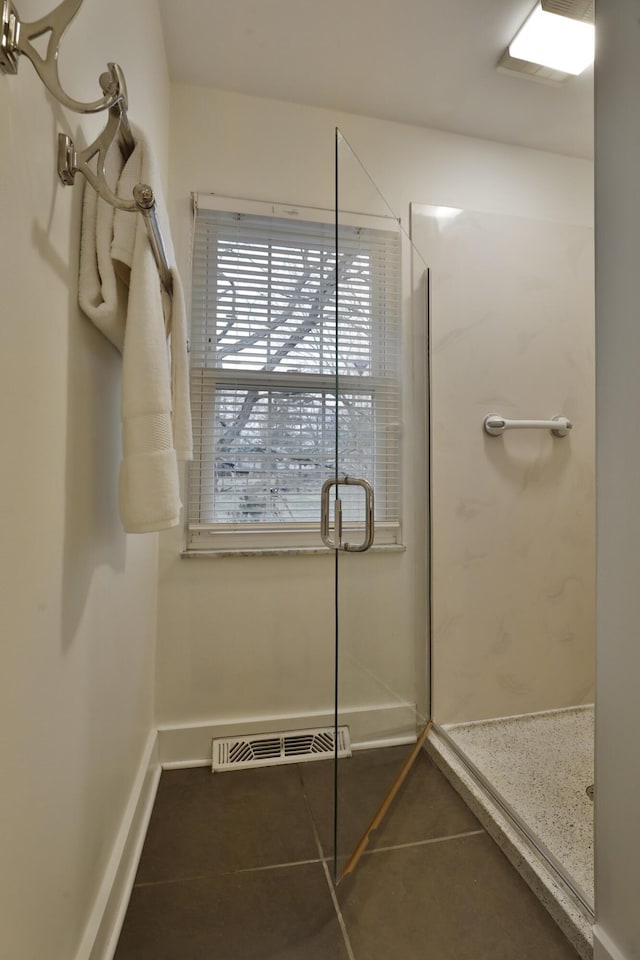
[425,62]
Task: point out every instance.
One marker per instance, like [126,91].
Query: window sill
[284,551]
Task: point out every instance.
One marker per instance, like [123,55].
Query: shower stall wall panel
[512,332]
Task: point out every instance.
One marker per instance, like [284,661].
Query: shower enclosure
[320,362]
[508,303]
[513,528]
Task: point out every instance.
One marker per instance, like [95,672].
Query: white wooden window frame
[228,537]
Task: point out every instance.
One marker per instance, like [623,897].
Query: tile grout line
[229,873]
[314,829]
[301,863]
[325,867]
[332,889]
[242,870]
[343,926]
[424,843]
[279,866]
[327,874]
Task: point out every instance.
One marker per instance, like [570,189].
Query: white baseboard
[603,947]
[107,915]
[189,745]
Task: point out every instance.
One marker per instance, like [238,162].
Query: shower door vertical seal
[429,543]
[335,564]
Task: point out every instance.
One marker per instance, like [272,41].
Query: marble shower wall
[513,517]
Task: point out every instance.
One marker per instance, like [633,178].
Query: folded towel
[121,293]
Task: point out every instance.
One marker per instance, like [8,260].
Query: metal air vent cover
[292,746]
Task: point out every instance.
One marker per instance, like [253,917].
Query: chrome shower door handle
[369,508]
[369,515]
[324,516]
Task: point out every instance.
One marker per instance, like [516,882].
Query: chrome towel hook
[16,39]
[71,161]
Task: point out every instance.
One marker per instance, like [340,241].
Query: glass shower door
[380,687]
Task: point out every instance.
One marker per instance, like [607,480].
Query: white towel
[120,292]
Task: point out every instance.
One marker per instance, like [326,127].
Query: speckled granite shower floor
[541,764]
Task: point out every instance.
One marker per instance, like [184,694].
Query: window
[264,392]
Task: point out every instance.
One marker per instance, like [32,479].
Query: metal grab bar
[495,425]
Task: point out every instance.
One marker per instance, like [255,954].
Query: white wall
[618,472]
[240,638]
[251,638]
[78,596]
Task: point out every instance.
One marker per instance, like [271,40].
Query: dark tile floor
[237,866]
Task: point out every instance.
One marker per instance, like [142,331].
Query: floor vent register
[292,746]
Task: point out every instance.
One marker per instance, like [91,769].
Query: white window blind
[267,382]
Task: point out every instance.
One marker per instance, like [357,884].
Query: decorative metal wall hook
[71,161]
[117,130]
[17,37]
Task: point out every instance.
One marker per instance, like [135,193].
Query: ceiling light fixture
[556,41]
[561,43]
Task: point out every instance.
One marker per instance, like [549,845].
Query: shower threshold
[563,897]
